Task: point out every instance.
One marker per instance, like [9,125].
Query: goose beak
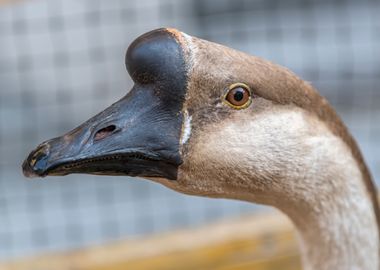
[136,136]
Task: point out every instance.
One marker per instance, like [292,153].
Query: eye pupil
[239,95]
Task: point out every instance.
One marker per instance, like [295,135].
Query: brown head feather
[268,80]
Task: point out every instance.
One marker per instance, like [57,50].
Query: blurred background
[61,61]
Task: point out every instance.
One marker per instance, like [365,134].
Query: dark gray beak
[138,135]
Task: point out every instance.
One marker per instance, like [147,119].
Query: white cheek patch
[186,127]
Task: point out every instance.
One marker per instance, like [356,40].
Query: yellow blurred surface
[2,2]
[263,241]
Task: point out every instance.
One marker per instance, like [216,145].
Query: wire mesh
[63,61]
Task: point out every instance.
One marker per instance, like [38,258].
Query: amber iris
[238,96]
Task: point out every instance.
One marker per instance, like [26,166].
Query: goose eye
[238,96]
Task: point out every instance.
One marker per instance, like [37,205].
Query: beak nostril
[104,132]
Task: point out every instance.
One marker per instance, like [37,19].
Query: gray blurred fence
[62,61]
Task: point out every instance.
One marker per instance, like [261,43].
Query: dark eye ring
[238,96]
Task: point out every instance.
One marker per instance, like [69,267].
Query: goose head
[207,120]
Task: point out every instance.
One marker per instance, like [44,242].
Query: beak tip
[27,170]
[31,171]
[35,164]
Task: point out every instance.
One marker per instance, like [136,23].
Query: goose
[204,119]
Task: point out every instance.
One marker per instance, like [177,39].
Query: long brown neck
[323,189]
[328,115]
[340,231]
[354,221]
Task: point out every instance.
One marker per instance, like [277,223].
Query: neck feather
[336,223]
[339,232]
[321,188]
